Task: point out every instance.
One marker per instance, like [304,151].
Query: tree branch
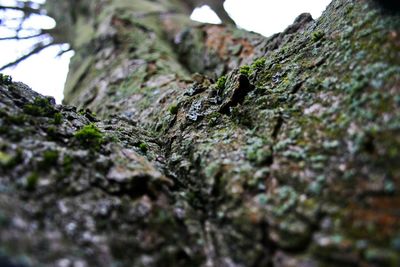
[16,37]
[25,9]
[39,47]
[63,51]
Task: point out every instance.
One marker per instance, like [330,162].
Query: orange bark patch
[247,48]
[119,22]
[219,39]
[382,212]
[171,26]
[394,37]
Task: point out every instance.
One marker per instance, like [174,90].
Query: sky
[46,72]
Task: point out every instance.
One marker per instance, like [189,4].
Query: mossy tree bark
[211,146]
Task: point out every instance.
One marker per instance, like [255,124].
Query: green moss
[221,83]
[31,181]
[212,169]
[67,164]
[32,110]
[15,119]
[8,161]
[251,155]
[39,107]
[262,199]
[389,187]
[381,256]
[143,147]
[5,79]
[245,70]
[317,35]
[50,159]
[5,159]
[213,119]
[286,198]
[52,132]
[264,156]
[89,136]
[173,109]
[4,220]
[111,138]
[258,64]
[260,156]
[57,118]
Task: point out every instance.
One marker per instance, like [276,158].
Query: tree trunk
[210,146]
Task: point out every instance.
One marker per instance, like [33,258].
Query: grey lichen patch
[195,112]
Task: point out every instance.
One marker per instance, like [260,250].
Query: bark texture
[211,146]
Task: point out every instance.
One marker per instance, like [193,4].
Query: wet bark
[209,146]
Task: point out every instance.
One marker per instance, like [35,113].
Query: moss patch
[245,70]
[317,35]
[50,159]
[57,118]
[220,85]
[5,79]
[89,136]
[5,159]
[39,107]
[32,181]
[258,64]
[173,109]
[143,147]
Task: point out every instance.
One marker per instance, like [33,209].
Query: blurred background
[46,71]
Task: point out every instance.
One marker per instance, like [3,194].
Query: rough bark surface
[211,146]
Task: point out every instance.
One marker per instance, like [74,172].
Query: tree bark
[210,146]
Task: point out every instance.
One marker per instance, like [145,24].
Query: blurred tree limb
[14,20]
